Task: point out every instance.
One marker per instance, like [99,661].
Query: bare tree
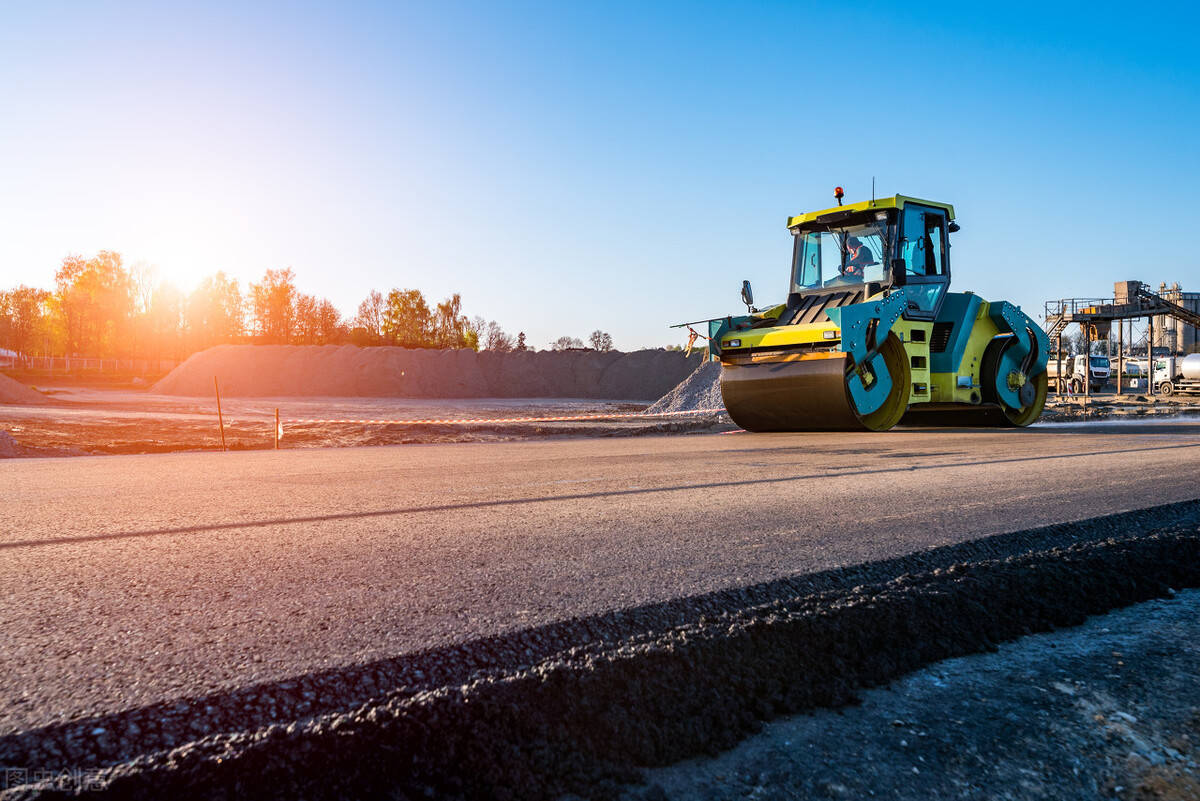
[496,339]
[329,322]
[370,316]
[601,341]
[145,284]
[307,325]
[566,343]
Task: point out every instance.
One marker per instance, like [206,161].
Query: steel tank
[1189,366]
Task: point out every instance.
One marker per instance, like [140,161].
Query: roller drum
[788,396]
[810,394]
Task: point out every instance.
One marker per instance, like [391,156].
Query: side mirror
[899,272]
[748,295]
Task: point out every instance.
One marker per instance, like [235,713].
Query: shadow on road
[450,507]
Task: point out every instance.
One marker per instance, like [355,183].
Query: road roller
[870,335]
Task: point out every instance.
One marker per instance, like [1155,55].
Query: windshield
[852,254]
[1099,361]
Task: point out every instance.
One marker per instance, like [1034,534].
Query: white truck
[1174,374]
[1074,370]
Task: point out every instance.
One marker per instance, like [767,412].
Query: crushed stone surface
[1109,709]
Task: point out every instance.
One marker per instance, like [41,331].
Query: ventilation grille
[941,337]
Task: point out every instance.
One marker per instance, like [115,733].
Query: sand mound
[700,390]
[15,392]
[350,371]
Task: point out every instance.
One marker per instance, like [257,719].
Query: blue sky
[615,166]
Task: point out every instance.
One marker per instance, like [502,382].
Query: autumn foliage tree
[216,312]
[406,319]
[274,306]
[451,328]
[96,302]
[101,308]
[27,318]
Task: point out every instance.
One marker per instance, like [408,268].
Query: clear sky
[569,166]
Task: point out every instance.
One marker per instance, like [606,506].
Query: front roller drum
[811,394]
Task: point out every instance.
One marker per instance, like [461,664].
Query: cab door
[924,247]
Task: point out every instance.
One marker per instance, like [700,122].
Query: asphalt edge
[584,720]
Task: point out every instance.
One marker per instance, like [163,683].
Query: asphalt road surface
[131,580]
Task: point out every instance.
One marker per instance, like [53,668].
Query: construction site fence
[78,364]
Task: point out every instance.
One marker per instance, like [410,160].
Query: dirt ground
[89,420]
[1110,709]
[84,419]
[1109,405]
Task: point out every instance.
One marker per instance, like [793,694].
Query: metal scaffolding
[1131,300]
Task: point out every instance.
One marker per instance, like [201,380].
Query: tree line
[100,308]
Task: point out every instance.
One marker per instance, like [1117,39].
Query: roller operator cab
[870,333]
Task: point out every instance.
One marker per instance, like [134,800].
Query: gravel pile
[700,390]
[332,370]
[15,392]
[580,706]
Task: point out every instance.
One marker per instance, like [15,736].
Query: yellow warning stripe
[778,357]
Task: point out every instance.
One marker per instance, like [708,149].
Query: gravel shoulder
[1109,709]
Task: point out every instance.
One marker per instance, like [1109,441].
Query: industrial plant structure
[1172,318]
[1173,333]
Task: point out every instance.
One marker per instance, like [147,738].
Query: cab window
[923,241]
[923,251]
[836,256]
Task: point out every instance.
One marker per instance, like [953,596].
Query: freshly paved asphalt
[136,579]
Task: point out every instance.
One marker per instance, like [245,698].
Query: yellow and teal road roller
[870,334]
